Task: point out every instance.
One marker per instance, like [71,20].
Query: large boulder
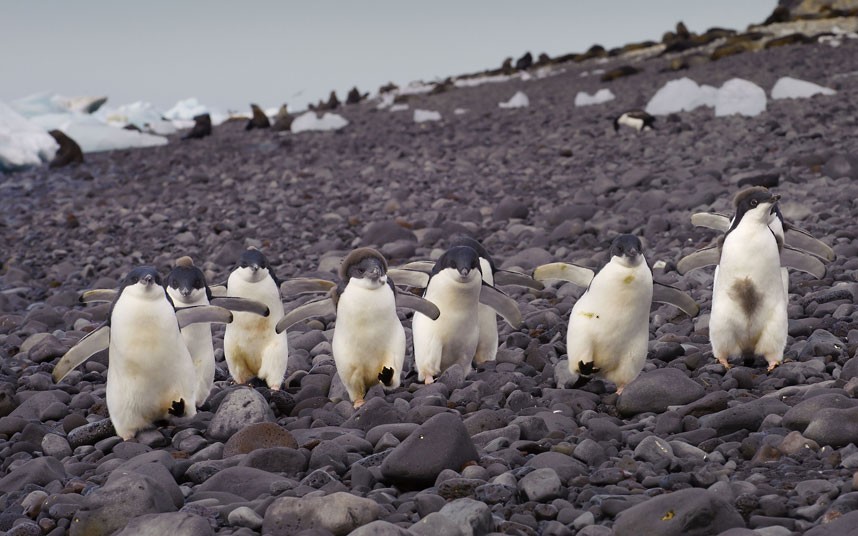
[688,512]
[339,513]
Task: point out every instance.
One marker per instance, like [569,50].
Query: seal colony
[510,446]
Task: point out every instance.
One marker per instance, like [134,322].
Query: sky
[228,54]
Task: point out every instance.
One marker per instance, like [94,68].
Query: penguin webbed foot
[385,376]
[178,408]
[587,369]
[358,403]
[257,383]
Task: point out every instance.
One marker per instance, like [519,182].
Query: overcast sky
[228,54]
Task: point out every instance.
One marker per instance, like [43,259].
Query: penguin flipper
[507,277]
[408,277]
[802,261]
[202,313]
[565,272]
[801,239]
[218,291]
[421,305]
[98,295]
[666,294]
[243,305]
[503,304]
[420,266]
[711,220]
[304,285]
[322,307]
[88,346]
[702,257]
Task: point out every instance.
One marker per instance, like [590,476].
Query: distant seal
[202,127]
[258,120]
[68,153]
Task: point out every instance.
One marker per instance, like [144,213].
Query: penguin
[608,328]
[749,297]
[251,345]
[456,286]
[487,347]
[150,374]
[369,340]
[636,119]
[186,286]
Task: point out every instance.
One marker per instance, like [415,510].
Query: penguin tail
[587,369]
[178,408]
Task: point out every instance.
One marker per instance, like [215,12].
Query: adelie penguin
[456,286]
[487,347]
[150,374]
[369,340]
[636,119]
[251,345]
[749,297]
[608,328]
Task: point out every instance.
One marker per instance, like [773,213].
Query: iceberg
[92,135]
[738,96]
[310,121]
[793,88]
[584,99]
[51,103]
[682,95]
[519,100]
[22,142]
[422,116]
[143,115]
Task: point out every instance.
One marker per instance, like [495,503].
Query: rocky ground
[689,448]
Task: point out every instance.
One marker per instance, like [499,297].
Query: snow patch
[585,99]
[519,100]
[22,142]
[399,107]
[143,115]
[793,88]
[682,95]
[309,121]
[480,80]
[52,103]
[422,116]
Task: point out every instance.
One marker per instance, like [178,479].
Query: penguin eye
[198,284]
[134,280]
[754,203]
[244,265]
[174,284]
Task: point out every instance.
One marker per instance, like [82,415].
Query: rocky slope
[689,448]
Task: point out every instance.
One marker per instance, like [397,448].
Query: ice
[682,95]
[51,103]
[738,96]
[310,121]
[143,115]
[422,116]
[584,99]
[386,100]
[399,107]
[22,142]
[519,100]
[792,88]
[416,88]
[480,80]
[93,135]
[186,110]
[460,111]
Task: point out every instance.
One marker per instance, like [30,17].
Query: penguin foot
[386,376]
[724,362]
[178,408]
[587,369]
[256,382]
[359,402]
[428,380]
[772,366]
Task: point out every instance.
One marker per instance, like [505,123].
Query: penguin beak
[464,272]
[374,273]
[147,280]
[632,253]
[254,267]
[185,292]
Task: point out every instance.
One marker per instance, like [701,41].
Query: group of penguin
[161,357]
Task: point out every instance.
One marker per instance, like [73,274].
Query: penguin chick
[251,345]
[456,286]
[749,299]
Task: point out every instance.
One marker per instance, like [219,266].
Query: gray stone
[436,524]
[172,523]
[510,207]
[276,460]
[528,259]
[380,528]
[834,427]
[473,517]
[241,407]
[800,415]
[565,466]
[38,471]
[846,525]
[657,390]
[687,512]
[381,232]
[92,433]
[541,485]
[339,513]
[245,482]
[748,416]
[245,517]
[653,449]
[442,442]
[56,445]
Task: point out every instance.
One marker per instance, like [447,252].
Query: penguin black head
[460,262]
[254,266]
[186,282]
[142,281]
[628,249]
[756,203]
[467,241]
[365,266]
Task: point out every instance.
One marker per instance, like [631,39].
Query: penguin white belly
[633,122]
[368,337]
[198,339]
[453,337]
[749,299]
[609,324]
[150,367]
[252,347]
[487,348]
